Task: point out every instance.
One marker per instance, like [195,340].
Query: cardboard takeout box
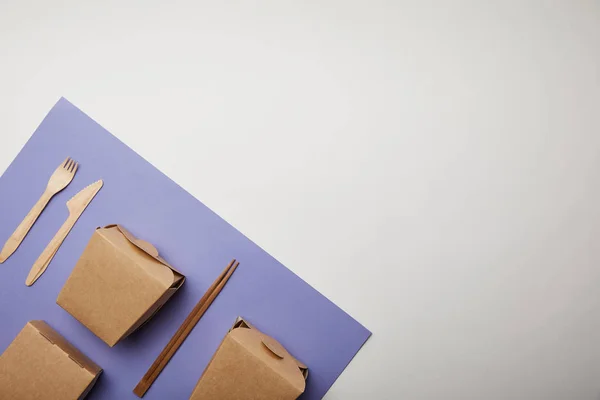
[118,283]
[251,365]
[41,364]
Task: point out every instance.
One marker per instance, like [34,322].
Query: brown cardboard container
[41,364]
[118,283]
[251,365]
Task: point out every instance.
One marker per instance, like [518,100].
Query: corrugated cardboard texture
[41,364]
[118,283]
[250,365]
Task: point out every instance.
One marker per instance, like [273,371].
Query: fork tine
[75,168]
[64,163]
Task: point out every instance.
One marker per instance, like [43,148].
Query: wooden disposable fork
[58,181]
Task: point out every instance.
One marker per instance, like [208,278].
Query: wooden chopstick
[184,330]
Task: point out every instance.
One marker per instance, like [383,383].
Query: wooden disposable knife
[76,206]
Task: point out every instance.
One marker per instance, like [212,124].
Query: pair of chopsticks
[184,330]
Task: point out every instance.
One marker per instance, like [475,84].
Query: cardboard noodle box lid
[251,365]
[41,364]
[118,284]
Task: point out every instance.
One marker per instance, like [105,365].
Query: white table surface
[431,167]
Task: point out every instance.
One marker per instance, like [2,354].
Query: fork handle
[47,255]
[19,234]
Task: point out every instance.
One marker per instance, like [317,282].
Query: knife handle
[48,254]
[22,230]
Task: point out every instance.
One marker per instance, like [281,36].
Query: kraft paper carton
[41,364]
[251,365]
[118,283]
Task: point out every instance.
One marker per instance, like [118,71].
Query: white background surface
[431,167]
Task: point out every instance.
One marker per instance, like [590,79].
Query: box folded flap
[275,348]
[74,354]
[169,277]
[118,283]
[250,365]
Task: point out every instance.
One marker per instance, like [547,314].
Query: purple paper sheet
[188,235]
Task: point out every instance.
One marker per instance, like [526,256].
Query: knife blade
[76,205]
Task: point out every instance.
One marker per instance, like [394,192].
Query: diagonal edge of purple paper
[192,238]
